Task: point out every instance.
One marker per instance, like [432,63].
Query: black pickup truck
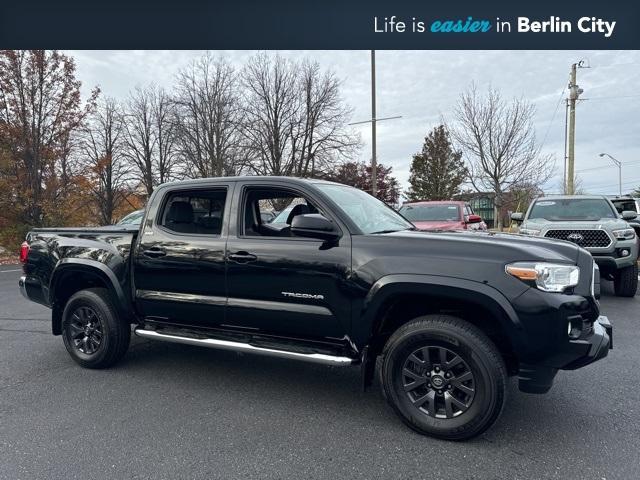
[342,280]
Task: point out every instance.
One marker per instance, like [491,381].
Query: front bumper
[539,378]
[614,259]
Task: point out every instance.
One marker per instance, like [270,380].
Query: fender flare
[390,286]
[446,287]
[90,266]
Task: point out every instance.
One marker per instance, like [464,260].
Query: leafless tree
[101,147]
[164,120]
[139,136]
[323,138]
[208,118]
[499,143]
[272,113]
[295,121]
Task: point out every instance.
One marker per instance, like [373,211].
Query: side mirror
[517,217]
[313,225]
[474,218]
[629,215]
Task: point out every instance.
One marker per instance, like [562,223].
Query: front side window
[198,212]
[269,212]
[368,213]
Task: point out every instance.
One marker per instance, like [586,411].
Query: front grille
[584,238]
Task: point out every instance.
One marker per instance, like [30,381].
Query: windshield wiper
[393,231]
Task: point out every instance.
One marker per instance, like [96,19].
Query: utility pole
[374,120]
[618,164]
[374,160]
[574,93]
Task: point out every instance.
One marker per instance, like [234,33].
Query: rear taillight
[24,252]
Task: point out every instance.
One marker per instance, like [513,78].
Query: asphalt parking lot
[174,411]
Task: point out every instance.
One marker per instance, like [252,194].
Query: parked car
[267,216]
[344,281]
[592,222]
[134,218]
[630,204]
[442,215]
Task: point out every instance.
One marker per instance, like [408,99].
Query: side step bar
[246,347]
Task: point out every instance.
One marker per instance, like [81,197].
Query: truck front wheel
[625,281]
[92,332]
[444,377]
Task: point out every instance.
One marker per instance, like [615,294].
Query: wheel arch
[396,299]
[72,275]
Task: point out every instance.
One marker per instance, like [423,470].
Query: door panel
[286,285]
[179,266]
[292,287]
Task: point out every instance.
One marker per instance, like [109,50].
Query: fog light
[624,252]
[574,327]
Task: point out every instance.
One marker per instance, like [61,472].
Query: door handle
[242,257]
[154,252]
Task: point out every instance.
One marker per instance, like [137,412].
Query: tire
[477,377]
[625,282]
[92,331]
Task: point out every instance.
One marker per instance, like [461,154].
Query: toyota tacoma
[593,223]
[343,280]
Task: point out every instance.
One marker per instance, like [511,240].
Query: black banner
[320,24]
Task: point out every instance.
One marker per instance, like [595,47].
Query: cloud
[423,87]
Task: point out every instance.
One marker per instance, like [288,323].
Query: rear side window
[199,212]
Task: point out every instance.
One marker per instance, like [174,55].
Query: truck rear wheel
[625,281]
[92,332]
[444,377]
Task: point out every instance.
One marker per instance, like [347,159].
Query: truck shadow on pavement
[330,394]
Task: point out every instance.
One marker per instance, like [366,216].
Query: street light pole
[618,164]
[374,120]
[374,160]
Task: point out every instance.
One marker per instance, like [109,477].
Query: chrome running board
[246,347]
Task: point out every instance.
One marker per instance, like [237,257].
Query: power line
[553,117]
[609,98]
[602,166]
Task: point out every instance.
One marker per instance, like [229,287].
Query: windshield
[431,213]
[133,218]
[283,215]
[367,212]
[572,209]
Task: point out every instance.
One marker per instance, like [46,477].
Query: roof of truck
[258,178]
[571,197]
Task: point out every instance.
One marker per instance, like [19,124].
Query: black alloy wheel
[93,332]
[85,330]
[438,382]
[444,377]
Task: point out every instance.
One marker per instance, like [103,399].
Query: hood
[439,225]
[609,223]
[505,247]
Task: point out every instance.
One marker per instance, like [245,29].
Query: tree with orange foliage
[40,110]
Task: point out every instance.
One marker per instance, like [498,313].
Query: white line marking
[7,271]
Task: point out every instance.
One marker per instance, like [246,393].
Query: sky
[424,86]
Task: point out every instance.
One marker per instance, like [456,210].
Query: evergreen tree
[438,171]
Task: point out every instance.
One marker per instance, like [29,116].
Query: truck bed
[57,253]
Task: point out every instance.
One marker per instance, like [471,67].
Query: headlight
[529,231]
[548,277]
[624,234]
